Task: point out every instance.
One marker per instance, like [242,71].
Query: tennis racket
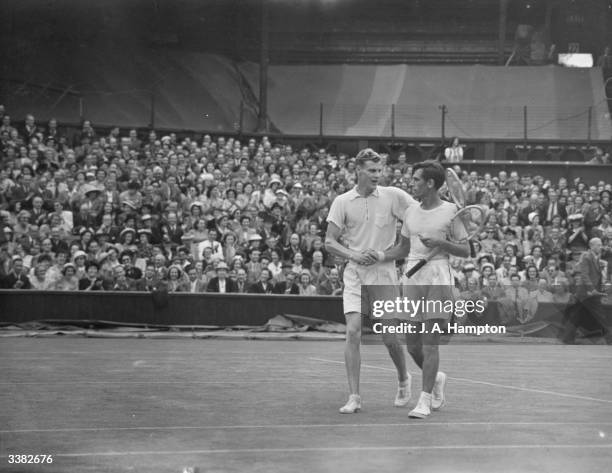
[466,223]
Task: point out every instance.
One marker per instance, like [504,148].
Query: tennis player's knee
[390,340]
[353,328]
[430,350]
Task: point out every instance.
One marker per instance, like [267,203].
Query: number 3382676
[30,459]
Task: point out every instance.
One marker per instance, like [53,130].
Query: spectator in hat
[145,248]
[127,240]
[269,196]
[39,280]
[68,280]
[221,283]
[577,239]
[594,215]
[17,277]
[79,258]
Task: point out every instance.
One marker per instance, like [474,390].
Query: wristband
[380,255]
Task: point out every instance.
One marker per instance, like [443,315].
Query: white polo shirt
[370,222]
[432,223]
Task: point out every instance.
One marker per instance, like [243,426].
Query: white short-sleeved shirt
[433,223]
[370,222]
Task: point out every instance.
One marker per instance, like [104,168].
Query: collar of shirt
[353,194]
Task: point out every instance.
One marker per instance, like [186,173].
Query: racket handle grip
[416,267]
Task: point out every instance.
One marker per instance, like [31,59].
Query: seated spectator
[516,305]
[175,282]
[17,277]
[92,281]
[288,286]
[331,285]
[241,281]
[68,281]
[221,282]
[305,286]
[264,285]
[543,294]
[39,280]
[120,281]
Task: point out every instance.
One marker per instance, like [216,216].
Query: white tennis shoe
[437,395]
[403,392]
[353,405]
[423,407]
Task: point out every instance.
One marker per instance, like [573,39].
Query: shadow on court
[233,405]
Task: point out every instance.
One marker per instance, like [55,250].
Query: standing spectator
[454,153]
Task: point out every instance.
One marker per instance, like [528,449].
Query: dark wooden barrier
[175,309]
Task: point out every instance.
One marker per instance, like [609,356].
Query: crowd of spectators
[125,212]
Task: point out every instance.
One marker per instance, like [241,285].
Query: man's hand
[364,258]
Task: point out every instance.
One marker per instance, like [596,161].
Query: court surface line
[331,449]
[486,383]
[305,426]
[94,383]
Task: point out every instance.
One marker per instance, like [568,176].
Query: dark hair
[365,155]
[431,170]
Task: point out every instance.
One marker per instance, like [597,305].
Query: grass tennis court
[105,405]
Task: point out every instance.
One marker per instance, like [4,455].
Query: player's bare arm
[461,249]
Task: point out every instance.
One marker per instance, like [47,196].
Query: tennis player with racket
[430,233]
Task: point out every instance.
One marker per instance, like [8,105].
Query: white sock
[425,397]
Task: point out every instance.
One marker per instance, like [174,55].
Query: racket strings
[467,223]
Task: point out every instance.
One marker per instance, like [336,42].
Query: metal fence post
[321,119]
[392,120]
[589,125]
[525,126]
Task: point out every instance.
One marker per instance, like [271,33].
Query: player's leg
[396,352]
[352,304]
[414,344]
[431,359]
[352,352]
[387,289]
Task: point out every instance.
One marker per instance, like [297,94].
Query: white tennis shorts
[382,282]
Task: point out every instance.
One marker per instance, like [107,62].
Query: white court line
[181,381]
[473,381]
[332,449]
[305,426]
